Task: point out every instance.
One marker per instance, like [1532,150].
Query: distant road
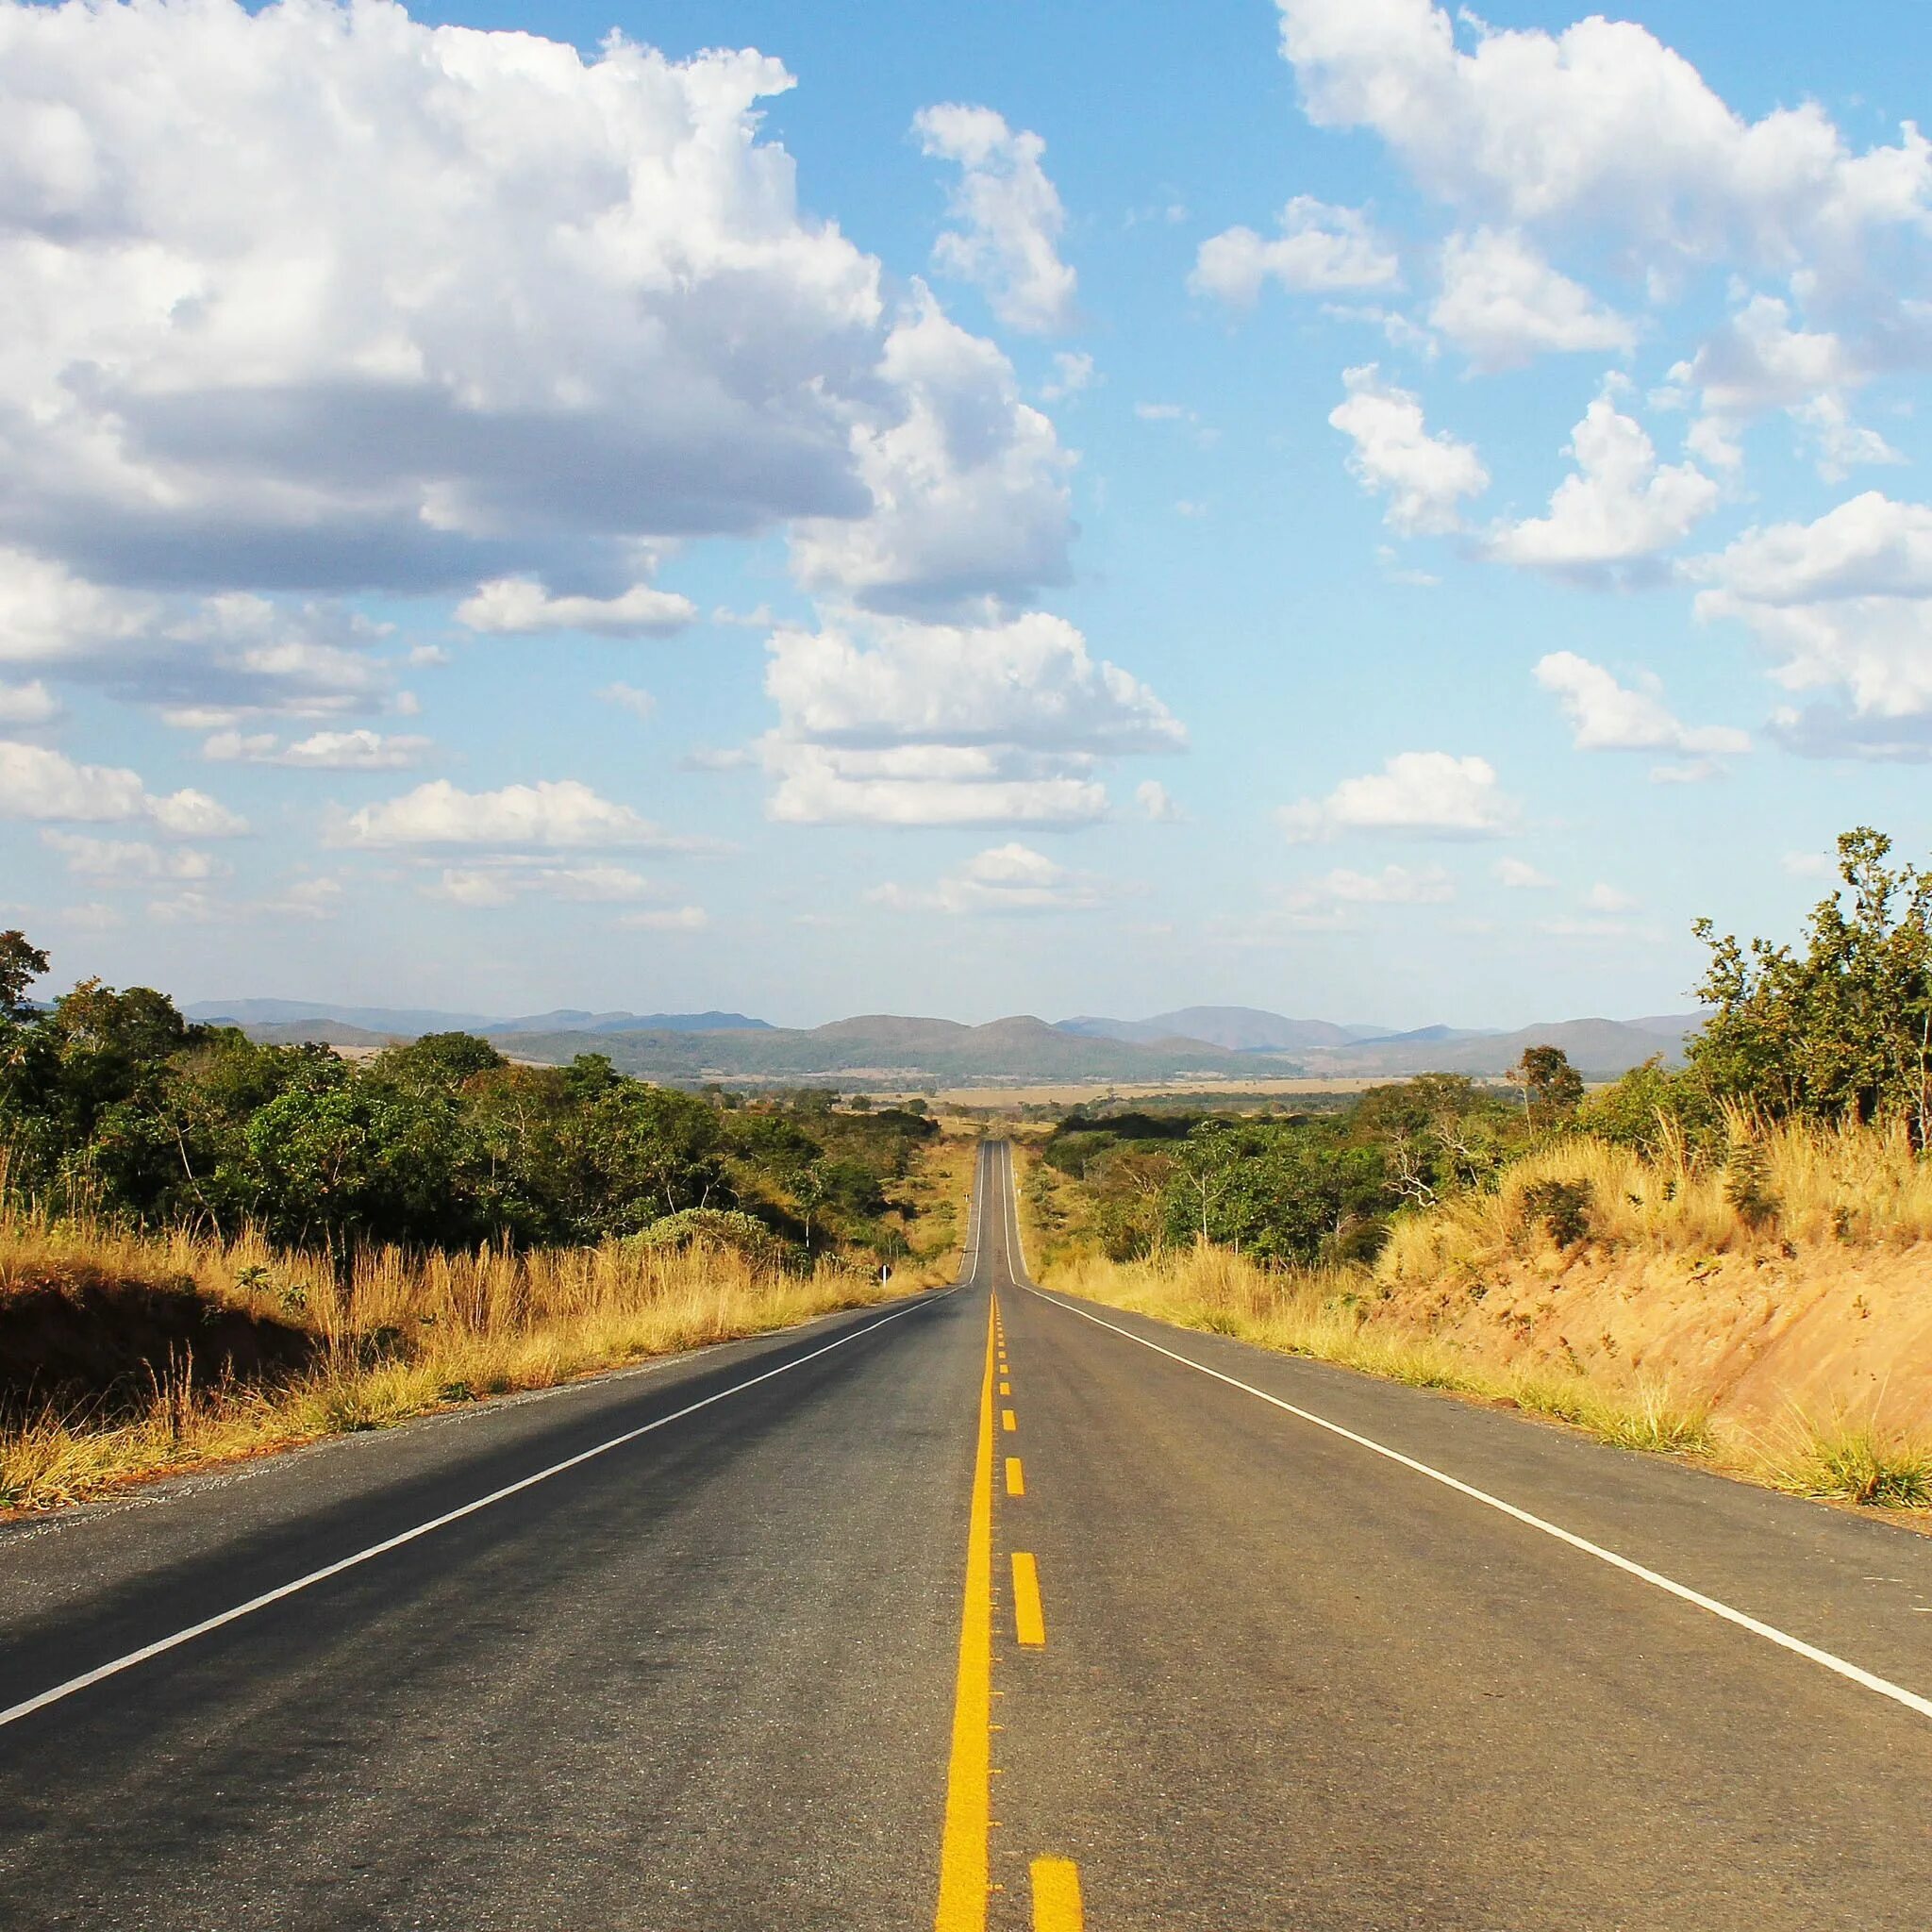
[723,1644]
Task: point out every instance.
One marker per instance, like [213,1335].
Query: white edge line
[408,1536]
[1770,1632]
[1021,1278]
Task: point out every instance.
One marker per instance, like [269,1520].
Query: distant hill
[1238,1029]
[409,1022]
[567,1021]
[404,1021]
[320,1033]
[887,1050]
[1232,1044]
[1429,1036]
[1597,1048]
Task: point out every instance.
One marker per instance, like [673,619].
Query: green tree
[21,964]
[1842,1028]
[1550,1085]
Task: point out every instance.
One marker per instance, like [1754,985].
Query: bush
[714,1227]
[1562,1207]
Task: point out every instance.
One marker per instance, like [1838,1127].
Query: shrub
[1562,1207]
[723,1228]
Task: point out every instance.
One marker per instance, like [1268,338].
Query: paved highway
[983,1608]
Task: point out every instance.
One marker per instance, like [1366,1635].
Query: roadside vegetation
[210,1247]
[1730,1260]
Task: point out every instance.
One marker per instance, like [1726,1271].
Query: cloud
[28,704]
[628,697]
[258,333]
[1843,605]
[553,814]
[1758,362]
[1072,371]
[1394,884]
[1428,795]
[1321,249]
[1156,803]
[1619,508]
[1423,476]
[468,887]
[1605,715]
[891,721]
[310,898]
[667,919]
[1010,878]
[1009,217]
[1501,304]
[498,880]
[1598,127]
[1518,875]
[1602,898]
[42,784]
[234,651]
[967,483]
[131,862]
[322,751]
[520,607]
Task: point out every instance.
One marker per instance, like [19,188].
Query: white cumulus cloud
[131,862]
[28,704]
[967,483]
[1008,214]
[322,751]
[1425,477]
[1843,605]
[1009,878]
[1598,127]
[561,814]
[1428,795]
[1321,249]
[520,606]
[1619,508]
[38,783]
[1501,304]
[1605,715]
[894,721]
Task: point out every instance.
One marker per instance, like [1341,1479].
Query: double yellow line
[964,1850]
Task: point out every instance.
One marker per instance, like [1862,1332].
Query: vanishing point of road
[982,1608]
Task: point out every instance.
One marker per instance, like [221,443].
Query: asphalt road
[974,1604]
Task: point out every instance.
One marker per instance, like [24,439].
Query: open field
[1226,1093]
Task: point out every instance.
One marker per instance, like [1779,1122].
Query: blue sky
[1328,506]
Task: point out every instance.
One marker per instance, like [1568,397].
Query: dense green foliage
[1836,1031]
[1842,1028]
[1297,1189]
[112,1104]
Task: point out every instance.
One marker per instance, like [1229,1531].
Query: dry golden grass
[1857,1185]
[1329,1314]
[407,1334]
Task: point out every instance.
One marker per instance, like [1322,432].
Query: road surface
[983,1608]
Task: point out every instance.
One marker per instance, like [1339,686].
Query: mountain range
[1231,1043]
[406,1023]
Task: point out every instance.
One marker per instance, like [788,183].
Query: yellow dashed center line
[1029,1620]
[969,1773]
[1016,1477]
[1057,1896]
[1006,1388]
[1007,1420]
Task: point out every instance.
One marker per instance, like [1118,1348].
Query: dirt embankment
[1824,1333]
[74,1335]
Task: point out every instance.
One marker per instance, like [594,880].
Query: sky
[1340,507]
